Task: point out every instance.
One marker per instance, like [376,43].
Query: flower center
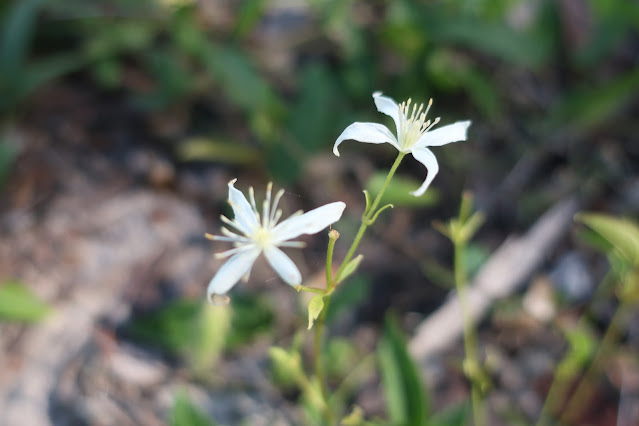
[413,124]
[262,237]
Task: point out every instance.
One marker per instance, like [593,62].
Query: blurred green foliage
[406,400]
[18,303]
[199,332]
[184,413]
[455,51]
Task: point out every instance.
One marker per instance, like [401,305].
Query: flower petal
[283,265]
[309,223]
[367,133]
[244,214]
[427,158]
[443,135]
[387,106]
[231,272]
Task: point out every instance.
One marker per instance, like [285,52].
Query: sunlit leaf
[315,307]
[623,234]
[350,268]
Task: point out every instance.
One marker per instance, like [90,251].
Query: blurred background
[122,122]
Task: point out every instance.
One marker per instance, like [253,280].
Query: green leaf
[312,118]
[7,155]
[315,307]
[350,268]
[189,327]
[18,29]
[250,13]
[590,106]
[398,191]
[171,327]
[184,413]
[18,303]
[455,415]
[209,149]
[406,400]
[623,234]
[496,38]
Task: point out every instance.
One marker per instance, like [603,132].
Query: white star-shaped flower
[413,133]
[255,234]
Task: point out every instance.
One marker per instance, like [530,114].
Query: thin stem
[331,282]
[333,235]
[471,363]
[319,326]
[369,214]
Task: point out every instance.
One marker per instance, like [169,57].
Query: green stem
[333,235]
[471,363]
[366,218]
[331,282]
[319,327]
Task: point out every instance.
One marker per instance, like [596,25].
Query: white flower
[413,133]
[255,234]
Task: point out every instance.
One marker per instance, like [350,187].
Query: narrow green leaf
[623,234]
[350,268]
[18,303]
[184,413]
[406,400]
[17,30]
[315,307]
[312,118]
[455,415]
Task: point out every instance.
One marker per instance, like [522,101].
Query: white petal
[427,158]
[244,214]
[368,133]
[231,272]
[387,106]
[309,223]
[443,135]
[283,265]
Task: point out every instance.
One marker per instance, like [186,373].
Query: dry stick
[502,274]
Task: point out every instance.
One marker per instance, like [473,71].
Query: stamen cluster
[412,123]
